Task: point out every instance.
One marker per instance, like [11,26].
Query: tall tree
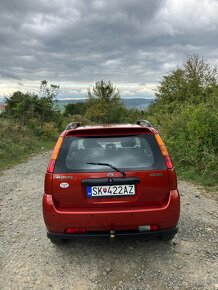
[104,90]
[104,103]
[188,83]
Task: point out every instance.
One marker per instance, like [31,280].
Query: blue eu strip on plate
[89,190]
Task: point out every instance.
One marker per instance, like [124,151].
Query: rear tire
[57,242]
[167,237]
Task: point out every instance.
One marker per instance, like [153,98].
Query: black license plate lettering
[114,190]
[131,189]
[120,189]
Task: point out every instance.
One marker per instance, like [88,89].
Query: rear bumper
[117,219]
[108,234]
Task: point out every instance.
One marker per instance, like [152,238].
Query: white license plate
[110,190]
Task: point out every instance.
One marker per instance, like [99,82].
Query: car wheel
[57,241]
[167,237]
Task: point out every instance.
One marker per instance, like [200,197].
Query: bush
[17,143]
[49,131]
[191,136]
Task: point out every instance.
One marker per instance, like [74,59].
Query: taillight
[54,155]
[51,165]
[164,151]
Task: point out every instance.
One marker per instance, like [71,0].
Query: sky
[74,43]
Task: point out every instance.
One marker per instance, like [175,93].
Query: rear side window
[140,152]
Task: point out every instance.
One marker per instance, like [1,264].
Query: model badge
[64,185]
[156,174]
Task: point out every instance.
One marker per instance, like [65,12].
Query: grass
[191,174]
[17,143]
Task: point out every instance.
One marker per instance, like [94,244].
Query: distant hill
[138,103]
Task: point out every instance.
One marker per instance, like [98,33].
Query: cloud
[124,41]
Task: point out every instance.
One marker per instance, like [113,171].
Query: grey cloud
[84,41]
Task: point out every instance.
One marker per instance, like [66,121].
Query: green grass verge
[17,143]
[191,174]
[14,153]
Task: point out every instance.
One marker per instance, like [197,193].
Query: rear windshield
[140,152]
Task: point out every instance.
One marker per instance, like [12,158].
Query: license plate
[110,190]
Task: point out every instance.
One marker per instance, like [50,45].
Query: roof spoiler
[144,123]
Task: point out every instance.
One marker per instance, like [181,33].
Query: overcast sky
[75,43]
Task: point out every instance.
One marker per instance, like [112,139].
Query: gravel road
[30,261]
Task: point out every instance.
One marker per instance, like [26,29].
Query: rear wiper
[109,165]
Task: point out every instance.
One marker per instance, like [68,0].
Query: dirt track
[30,261]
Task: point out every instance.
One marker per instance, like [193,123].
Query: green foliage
[35,111]
[74,109]
[29,123]
[103,106]
[24,107]
[188,84]
[104,103]
[105,91]
[18,142]
[49,131]
[186,113]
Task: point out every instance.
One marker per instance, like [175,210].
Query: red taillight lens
[164,151]
[75,230]
[168,162]
[154,227]
[51,165]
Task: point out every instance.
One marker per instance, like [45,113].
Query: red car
[111,180]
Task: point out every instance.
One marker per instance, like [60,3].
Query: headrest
[90,143]
[128,142]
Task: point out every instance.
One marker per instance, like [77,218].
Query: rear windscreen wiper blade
[109,165]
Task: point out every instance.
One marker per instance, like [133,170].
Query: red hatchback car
[111,181]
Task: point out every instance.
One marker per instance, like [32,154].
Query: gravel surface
[30,261]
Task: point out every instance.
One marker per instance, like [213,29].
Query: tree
[104,103]
[186,111]
[75,109]
[29,106]
[48,92]
[188,83]
[104,91]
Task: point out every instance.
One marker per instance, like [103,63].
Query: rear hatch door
[146,182]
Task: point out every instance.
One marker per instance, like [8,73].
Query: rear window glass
[140,152]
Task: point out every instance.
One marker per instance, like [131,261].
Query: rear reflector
[75,230]
[154,227]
